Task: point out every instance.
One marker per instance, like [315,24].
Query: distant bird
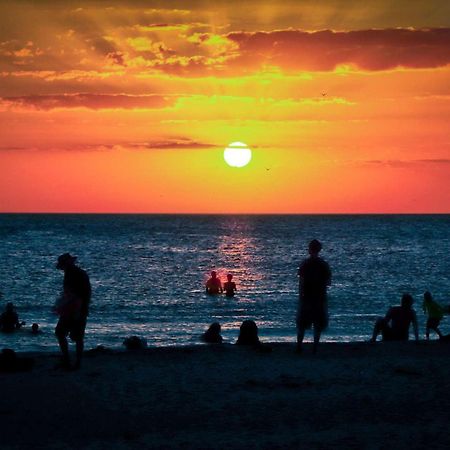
[268,168]
[324,94]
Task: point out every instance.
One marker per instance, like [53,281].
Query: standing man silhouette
[314,278]
[72,307]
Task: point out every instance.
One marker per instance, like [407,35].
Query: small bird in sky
[324,94]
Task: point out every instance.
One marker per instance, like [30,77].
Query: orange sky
[116,106]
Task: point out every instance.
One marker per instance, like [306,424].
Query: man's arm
[388,315]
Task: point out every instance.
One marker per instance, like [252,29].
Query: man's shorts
[72,327]
[312,315]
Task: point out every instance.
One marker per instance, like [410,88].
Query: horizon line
[228,214]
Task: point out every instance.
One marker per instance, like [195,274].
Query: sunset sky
[127,106]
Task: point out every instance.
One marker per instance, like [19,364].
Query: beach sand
[348,396]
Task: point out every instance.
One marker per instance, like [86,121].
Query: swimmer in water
[214,285]
[229,286]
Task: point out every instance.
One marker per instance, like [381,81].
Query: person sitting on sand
[395,325]
[9,320]
[212,334]
[314,278]
[248,333]
[229,286]
[435,314]
[214,285]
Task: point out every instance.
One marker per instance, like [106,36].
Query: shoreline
[348,396]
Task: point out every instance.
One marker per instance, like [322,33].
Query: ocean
[148,272]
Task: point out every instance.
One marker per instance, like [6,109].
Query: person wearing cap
[72,308]
[214,285]
[314,278]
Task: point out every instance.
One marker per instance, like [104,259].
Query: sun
[237,154]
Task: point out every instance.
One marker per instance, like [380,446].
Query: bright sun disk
[237,154]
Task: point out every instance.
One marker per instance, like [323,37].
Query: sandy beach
[349,396]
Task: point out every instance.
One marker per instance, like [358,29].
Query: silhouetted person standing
[395,325]
[72,307]
[214,285]
[314,278]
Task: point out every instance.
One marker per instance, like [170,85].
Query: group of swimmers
[214,285]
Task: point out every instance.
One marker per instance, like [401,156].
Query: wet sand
[348,396]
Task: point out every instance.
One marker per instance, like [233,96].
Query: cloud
[379,49]
[169,144]
[90,101]
[165,143]
[403,164]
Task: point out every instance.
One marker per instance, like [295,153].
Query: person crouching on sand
[435,314]
[212,334]
[214,285]
[72,308]
[9,320]
[395,325]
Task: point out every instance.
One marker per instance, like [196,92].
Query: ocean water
[148,272]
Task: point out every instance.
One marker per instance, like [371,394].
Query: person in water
[35,329]
[395,325]
[435,314]
[73,308]
[214,285]
[314,278]
[229,286]
[212,334]
[9,320]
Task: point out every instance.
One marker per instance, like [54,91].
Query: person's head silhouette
[65,260]
[314,247]
[407,301]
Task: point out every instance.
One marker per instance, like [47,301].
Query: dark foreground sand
[349,396]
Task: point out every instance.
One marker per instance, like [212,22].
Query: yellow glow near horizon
[237,154]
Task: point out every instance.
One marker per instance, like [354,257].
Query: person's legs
[64,346]
[77,335]
[433,324]
[380,326]
[300,337]
[79,352]
[317,333]
[61,334]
